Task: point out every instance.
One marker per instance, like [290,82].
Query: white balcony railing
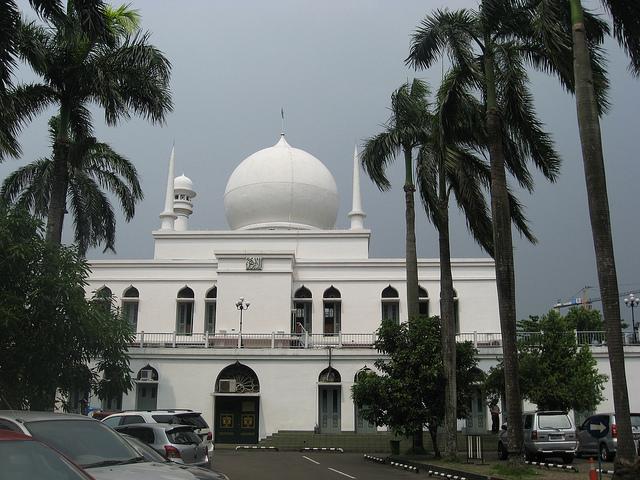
[339,340]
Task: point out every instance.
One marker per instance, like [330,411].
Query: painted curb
[552,465]
[404,466]
[322,449]
[255,447]
[374,458]
[606,472]
[434,473]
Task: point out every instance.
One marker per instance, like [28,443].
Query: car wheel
[605,455]
[567,459]
[503,454]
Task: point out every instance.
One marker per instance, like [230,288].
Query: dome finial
[282,115]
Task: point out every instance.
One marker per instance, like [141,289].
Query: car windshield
[183,436]
[193,419]
[554,421]
[89,443]
[29,459]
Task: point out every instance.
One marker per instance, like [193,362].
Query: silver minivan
[546,434]
[606,446]
[178,443]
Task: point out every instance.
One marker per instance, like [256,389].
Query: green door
[329,409]
[237,420]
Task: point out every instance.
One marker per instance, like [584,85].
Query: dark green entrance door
[237,419]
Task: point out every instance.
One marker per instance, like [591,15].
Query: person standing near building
[495,416]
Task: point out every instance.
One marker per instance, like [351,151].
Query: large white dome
[281,187]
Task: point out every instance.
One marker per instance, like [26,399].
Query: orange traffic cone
[593,475]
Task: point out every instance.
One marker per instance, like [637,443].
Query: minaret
[183,192]
[167,216]
[356,214]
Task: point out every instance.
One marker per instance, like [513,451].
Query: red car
[23,458]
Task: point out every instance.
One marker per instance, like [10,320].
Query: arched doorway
[237,402]
[147,388]
[329,400]
[362,425]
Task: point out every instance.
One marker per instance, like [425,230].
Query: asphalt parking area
[261,465]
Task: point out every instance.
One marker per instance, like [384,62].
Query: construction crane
[584,300]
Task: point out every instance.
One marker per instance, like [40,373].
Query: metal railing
[308,340]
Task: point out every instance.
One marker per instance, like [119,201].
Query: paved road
[270,465]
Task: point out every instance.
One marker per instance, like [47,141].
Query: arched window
[184,311]
[390,304]
[237,378]
[210,310]
[329,375]
[147,388]
[302,309]
[130,299]
[332,309]
[423,302]
[103,298]
[362,425]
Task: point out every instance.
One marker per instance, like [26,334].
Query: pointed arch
[147,381]
[423,302]
[332,311]
[237,378]
[303,292]
[130,305]
[210,308]
[184,311]
[390,304]
[301,311]
[329,375]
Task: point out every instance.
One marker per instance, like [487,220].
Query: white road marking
[311,460]
[341,473]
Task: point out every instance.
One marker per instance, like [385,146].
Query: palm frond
[626,28]
[377,153]
[444,32]
[29,187]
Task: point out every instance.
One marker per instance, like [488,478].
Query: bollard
[593,475]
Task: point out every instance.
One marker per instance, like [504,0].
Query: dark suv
[546,434]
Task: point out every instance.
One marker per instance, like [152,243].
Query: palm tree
[407,128]
[490,62]
[19,104]
[449,164]
[94,166]
[569,30]
[120,72]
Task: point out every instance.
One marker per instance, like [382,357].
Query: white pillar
[356,214]
[168,216]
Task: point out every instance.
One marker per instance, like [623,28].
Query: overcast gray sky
[332,66]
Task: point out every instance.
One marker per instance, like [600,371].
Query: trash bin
[395,447]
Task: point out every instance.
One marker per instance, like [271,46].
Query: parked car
[604,423]
[178,443]
[98,449]
[23,458]
[546,434]
[152,456]
[173,416]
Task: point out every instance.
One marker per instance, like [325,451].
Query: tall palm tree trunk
[593,159]
[59,181]
[411,255]
[503,248]
[448,322]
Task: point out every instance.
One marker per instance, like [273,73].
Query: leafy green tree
[555,372]
[51,333]
[120,72]
[489,64]
[409,392]
[585,319]
[93,166]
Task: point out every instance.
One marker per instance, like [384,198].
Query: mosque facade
[266,326]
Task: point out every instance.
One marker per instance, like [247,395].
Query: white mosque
[265,327]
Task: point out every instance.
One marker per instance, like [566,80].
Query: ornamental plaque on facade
[254,263]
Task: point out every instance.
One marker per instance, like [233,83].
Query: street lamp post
[632,302]
[242,306]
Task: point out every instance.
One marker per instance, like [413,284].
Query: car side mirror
[504,427]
